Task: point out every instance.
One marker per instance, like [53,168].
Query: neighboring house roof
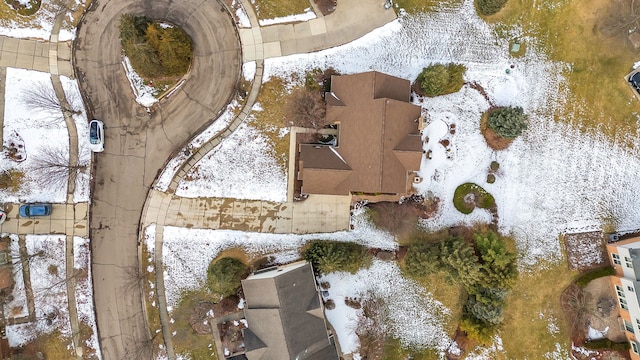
[379,141]
[285,316]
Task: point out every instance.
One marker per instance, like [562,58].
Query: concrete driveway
[138,143]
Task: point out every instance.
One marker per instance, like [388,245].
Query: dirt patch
[585,251]
[231,335]
[605,311]
[401,218]
[494,141]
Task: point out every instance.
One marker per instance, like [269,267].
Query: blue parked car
[29,210]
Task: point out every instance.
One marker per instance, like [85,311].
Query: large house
[378,147]
[285,316]
[625,258]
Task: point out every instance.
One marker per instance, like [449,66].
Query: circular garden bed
[469,196]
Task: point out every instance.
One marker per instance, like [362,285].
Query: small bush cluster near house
[155,50]
[332,256]
[483,266]
[508,122]
[224,275]
[440,79]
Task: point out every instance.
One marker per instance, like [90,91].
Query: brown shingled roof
[379,143]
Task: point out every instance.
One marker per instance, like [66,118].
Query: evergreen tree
[224,276]
[332,256]
[508,122]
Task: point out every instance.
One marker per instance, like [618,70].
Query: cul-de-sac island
[320,179]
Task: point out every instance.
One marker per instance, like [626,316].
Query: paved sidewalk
[318,213]
[351,20]
[70,219]
[37,55]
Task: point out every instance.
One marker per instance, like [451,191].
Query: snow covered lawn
[44,135]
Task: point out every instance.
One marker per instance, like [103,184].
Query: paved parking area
[70,219]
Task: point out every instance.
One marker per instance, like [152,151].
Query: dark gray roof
[290,326]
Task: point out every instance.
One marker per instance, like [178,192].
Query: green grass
[393,350]
[569,32]
[186,341]
[483,199]
[524,333]
[586,278]
[270,120]
[269,9]
[416,6]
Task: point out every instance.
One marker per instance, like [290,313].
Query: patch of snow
[558,354]
[593,334]
[43,131]
[17,306]
[84,291]
[72,93]
[172,167]
[241,304]
[48,283]
[186,253]
[308,14]
[145,94]
[241,14]
[583,351]
[489,352]
[241,167]
[414,317]
[249,70]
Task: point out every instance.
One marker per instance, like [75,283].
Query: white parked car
[96,135]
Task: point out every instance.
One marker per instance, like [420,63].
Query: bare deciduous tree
[53,168]
[371,328]
[306,108]
[42,96]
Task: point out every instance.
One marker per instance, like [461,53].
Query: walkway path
[351,20]
[319,213]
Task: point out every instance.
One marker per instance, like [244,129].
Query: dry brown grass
[525,333]
[570,32]
[269,9]
[270,120]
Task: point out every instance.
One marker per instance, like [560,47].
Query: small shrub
[224,275]
[489,7]
[306,108]
[11,180]
[332,256]
[491,178]
[508,122]
[352,303]
[587,277]
[441,79]
[329,304]
[494,166]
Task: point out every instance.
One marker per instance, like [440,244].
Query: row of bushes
[484,267]
[224,275]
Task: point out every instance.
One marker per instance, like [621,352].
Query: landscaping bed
[585,251]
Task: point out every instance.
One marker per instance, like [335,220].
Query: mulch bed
[494,141]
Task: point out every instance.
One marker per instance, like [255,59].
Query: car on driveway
[31,210]
[96,135]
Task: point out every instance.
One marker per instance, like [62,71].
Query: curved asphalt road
[137,144]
